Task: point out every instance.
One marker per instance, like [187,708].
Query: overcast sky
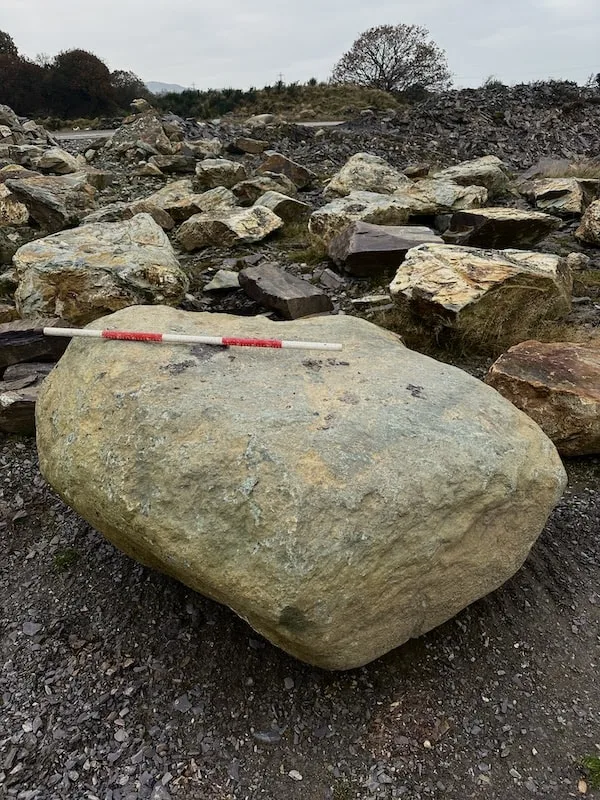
[243,43]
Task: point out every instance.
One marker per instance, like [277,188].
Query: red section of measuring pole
[233,340]
[133,336]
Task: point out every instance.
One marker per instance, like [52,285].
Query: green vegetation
[592,766]
[64,559]
[75,83]
[311,100]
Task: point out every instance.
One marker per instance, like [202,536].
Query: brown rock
[364,249]
[558,385]
[244,144]
[291,297]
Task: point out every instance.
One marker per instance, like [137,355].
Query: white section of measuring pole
[182,338]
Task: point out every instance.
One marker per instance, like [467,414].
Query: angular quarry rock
[380,209]
[225,280]
[81,274]
[287,208]
[488,171]
[367,173]
[499,228]
[244,144]
[218,172]
[118,212]
[180,201]
[364,249]
[175,163]
[281,165]
[339,505]
[563,196]
[143,131]
[276,289]
[557,384]
[440,196]
[248,192]
[19,390]
[12,212]
[227,228]
[487,296]
[57,161]
[55,202]
[589,230]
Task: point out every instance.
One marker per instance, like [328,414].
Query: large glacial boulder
[81,274]
[341,505]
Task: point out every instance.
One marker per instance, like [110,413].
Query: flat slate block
[291,297]
[18,395]
[23,340]
[364,249]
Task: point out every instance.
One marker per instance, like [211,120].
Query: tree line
[76,83]
[73,84]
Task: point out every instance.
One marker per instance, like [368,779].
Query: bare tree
[394,58]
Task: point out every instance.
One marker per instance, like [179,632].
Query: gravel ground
[119,683]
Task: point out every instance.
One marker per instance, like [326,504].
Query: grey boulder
[340,505]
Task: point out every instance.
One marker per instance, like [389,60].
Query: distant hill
[156,87]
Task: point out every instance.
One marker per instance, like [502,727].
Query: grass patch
[578,169]
[64,559]
[592,766]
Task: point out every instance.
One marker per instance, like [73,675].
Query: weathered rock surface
[279,164]
[174,163]
[224,280]
[55,202]
[227,228]
[488,171]
[500,228]
[19,390]
[289,209]
[81,274]
[367,173]
[562,196]
[380,209]
[276,289]
[485,295]
[589,230]
[440,195]
[143,132]
[57,161]
[339,506]
[12,212]
[214,172]
[247,192]
[118,212]
[557,384]
[245,144]
[364,249]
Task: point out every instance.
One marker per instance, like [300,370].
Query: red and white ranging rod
[184,338]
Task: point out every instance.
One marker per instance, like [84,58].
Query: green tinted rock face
[340,505]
